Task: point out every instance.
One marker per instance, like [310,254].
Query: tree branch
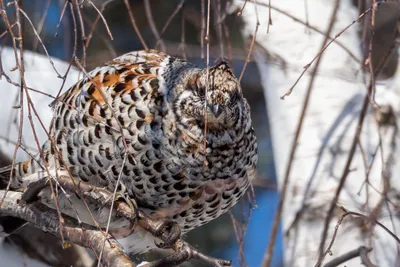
[360,252]
[84,235]
[113,254]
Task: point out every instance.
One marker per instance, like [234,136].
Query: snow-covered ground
[11,256]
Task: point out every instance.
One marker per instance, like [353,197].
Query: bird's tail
[4,174]
[19,173]
[8,224]
[19,180]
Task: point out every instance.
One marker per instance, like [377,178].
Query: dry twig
[367,219]
[356,138]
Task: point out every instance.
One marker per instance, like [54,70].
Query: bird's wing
[130,80]
[112,109]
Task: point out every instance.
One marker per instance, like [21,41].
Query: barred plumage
[154,107]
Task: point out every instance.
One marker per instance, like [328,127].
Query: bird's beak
[216,110]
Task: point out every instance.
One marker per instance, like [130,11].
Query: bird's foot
[185,253]
[170,231]
[121,195]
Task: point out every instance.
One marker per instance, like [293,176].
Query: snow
[11,257]
[39,75]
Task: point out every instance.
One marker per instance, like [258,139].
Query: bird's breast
[191,186]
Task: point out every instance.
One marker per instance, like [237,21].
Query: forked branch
[21,206]
[84,235]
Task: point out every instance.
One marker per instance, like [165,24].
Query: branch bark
[20,205]
[360,252]
[83,235]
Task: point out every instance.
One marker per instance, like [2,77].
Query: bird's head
[212,95]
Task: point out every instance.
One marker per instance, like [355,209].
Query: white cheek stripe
[185,94]
[161,82]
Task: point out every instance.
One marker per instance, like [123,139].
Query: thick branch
[156,227]
[84,235]
[360,252]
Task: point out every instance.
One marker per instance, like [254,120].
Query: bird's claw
[130,201]
[171,232]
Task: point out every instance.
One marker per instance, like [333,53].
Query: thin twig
[99,15]
[217,18]
[45,167]
[20,67]
[90,3]
[306,13]
[229,45]
[203,27]
[61,16]
[309,26]
[74,50]
[239,234]
[271,245]
[30,108]
[180,5]
[240,12]
[152,24]
[103,37]
[135,27]
[112,207]
[346,171]
[40,24]
[306,67]
[366,218]
[207,39]
[40,41]
[182,45]
[368,61]
[6,31]
[269,16]
[351,153]
[252,42]
[82,28]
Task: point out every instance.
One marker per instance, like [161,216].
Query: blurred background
[178,27]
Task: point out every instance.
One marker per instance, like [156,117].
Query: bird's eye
[234,97]
[201,91]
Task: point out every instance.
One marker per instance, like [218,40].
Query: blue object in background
[258,232]
[59,46]
[260,223]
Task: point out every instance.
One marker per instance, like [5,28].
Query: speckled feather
[152,106]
